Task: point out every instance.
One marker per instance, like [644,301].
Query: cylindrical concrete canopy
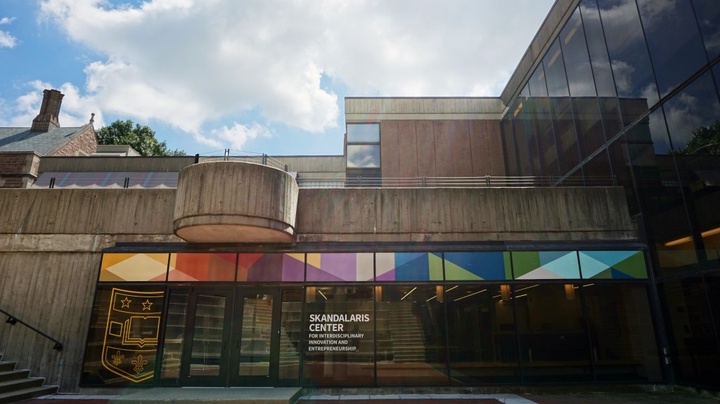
[235,202]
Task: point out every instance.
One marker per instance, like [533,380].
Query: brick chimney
[49,111]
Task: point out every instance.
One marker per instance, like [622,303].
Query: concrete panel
[425,149]
[486,148]
[389,149]
[450,214]
[408,154]
[86,211]
[460,150]
[367,109]
[114,164]
[233,202]
[444,159]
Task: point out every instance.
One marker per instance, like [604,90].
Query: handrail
[12,320]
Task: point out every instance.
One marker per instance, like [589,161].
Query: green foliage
[140,138]
[705,141]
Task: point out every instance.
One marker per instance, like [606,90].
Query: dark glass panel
[588,122]
[555,71]
[598,170]
[631,65]
[481,331]
[597,49]
[708,16]
[622,172]
[674,41]
[621,332]
[577,61]
[123,337]
[554,346]
[339,346]
[542,140]
[411,336]
[612,119]
[174,337]
[290,336]
[687,112]
[696,355]
[693,117]
[524,137]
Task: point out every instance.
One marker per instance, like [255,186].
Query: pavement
[298,396]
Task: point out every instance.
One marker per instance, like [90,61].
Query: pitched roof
[23,139]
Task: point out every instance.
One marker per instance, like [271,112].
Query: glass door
[206,337]
[255,339]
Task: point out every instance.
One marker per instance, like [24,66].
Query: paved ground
[585,397]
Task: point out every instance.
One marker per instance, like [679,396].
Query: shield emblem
[131,334]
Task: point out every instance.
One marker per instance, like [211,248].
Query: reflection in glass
[673,39]
[363,156]
[481,333]
[597,50]
[339,345]
[174,336]
[708,16]
[553,341]
[255,335]
[577,61]
[411,336]
[694,107]
[363,133]
[631,65]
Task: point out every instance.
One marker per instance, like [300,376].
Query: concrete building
[564,232]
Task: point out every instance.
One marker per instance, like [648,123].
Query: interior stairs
[408,343]
[17,385]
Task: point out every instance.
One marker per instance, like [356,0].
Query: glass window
[409,266]
[688,112]
[363,156]
[553,341]
[411,335]
[541,136]
[621,332]
[708,15]
[193,267]
[696,355]
[290,337]
[339,267]
[481,334]
[631,65]
[597,50]
[271,267]
[340,338]
[133,267]
[577,61]
[123,337]
[674,40]
[363,133]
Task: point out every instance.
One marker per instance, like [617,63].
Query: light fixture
[310,294]
[439,293]
[322,294]
[470,294]
[569,291]
[378,293]
[408,293]
[683,240]
[505,292]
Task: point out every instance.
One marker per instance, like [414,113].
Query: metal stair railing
[12,320]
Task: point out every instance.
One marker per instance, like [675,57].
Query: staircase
[407,335]
[17,385]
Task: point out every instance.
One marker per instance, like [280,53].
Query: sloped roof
[42,143]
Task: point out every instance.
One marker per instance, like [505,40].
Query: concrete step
[5,366]
[24,394]
[20,384]
[14,374]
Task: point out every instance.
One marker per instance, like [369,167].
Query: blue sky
[264,76]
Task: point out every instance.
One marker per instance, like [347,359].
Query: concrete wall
[18,169]
[369,109]
[448,215]
[442,148]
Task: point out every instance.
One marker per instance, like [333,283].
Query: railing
[12,320]
[488,181]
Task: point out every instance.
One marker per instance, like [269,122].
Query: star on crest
[146,305]
[125,302]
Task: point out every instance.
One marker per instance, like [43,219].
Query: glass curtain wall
[643,79]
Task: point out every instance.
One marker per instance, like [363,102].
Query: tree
[140,138]
[705,140]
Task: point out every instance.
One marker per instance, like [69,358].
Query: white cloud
[191,62]
[236,136]
[6,39]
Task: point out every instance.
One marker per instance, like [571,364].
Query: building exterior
[564,232]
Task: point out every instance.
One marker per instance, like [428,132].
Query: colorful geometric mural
[133,267]
[545,265]
[613,265]
[339,267]
[272,267]
[474,266]
[193,267]
[409,267]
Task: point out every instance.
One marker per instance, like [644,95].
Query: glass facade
[629,89]
[383,319]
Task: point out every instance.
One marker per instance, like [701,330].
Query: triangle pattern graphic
[591,268]
[565,265]
[540,273]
